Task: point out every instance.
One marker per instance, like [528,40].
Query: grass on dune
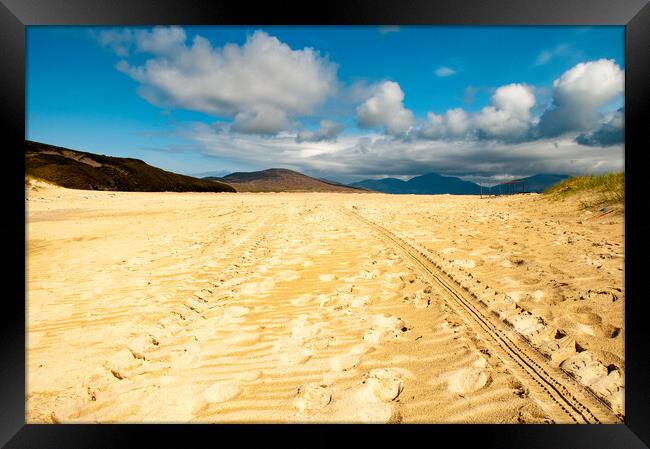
[597,190]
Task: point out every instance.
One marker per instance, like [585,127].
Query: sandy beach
[321,307]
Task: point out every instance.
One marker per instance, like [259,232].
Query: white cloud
[161,40]
[263,120]
[454,123]
[509,115]
[385,108]
[328,130]
[443,71]
[261,83]
[578,94]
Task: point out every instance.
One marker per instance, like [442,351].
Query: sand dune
[200,307]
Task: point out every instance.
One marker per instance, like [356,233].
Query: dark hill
[88,171]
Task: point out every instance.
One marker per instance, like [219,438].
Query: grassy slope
[599,190]
[108,173]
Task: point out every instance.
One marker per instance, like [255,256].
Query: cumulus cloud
[578,94]
[385,108]
[455,123]
[328,130]
[507,118]
[443,71]
[509,115]
[610,132]
[260,84]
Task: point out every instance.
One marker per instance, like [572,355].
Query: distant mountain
[539,183]
[432,183]
[88,171]
[280,180]
[429,184]
[385,185]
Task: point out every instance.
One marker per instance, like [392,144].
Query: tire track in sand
[562,394]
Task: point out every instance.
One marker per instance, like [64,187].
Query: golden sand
[204,307]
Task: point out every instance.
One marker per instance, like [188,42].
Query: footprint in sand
[98,381]
[302,330]
[559,348]
[66,408]
[141,345]
[373,401]
[313,396]
[293,355]
[345,362]
[585,367]
[384,327]
[122,363]
[525,323]
[385,384]
[468,380]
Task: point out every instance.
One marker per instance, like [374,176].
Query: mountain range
[432,183]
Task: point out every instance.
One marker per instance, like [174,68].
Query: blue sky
[344,103]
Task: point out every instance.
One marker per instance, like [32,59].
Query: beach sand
[321,307]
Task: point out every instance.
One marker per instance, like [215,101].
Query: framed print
[371,213]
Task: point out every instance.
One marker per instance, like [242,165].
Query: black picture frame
[15,15]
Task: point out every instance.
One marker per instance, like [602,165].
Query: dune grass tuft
[597,190]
